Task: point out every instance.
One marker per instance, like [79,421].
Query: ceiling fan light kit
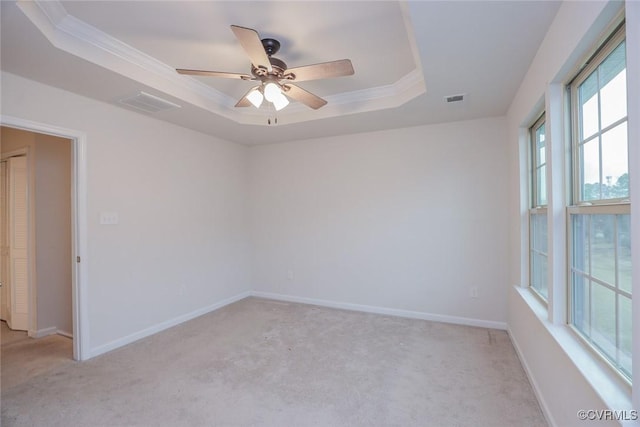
[275,78]
[271,91]
[280,101]
[255,97]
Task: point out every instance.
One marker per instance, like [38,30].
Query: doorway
[36,238]
[69,303]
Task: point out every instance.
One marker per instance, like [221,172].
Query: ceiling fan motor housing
[279,67]
[277,63]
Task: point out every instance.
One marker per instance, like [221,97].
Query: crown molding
[74,36]
[78,38]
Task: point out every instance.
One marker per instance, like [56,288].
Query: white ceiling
[407,57]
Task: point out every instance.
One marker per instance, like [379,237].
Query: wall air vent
[454,98]
[148,103]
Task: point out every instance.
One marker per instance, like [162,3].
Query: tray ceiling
[407,57]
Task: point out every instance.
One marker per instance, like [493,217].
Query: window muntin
[599,219]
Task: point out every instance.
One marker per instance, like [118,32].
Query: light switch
[108,218]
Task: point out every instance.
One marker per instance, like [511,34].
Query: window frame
[607,47]
[537,208]
[579,206]
[610,209]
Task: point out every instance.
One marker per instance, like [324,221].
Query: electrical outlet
[290,274]
[473,292]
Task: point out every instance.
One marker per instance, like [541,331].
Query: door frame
[79,275]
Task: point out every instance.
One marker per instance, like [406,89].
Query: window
[599,220]
[602,131]
[538,211]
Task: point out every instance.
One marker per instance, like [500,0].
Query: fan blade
[301,95]
[324,70]
[214,74]
[252,45]
[244,101]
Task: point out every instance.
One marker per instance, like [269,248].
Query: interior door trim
[80,282]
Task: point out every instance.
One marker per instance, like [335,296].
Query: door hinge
[78,258]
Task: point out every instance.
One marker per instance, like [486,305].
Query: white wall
[406,219]
[181,242]
[566,377]
[53,233]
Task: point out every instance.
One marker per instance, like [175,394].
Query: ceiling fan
[276,80]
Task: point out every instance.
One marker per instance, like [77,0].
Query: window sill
[609,386]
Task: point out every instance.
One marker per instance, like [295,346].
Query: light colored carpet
[23,358]
[266,363]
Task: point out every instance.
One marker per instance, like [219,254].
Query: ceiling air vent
[148,103]
[454,98]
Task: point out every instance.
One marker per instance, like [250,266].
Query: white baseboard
[96,351]
[44,332]
[532,380]
[50,331]
[64,333]
[383,310]
[101,349]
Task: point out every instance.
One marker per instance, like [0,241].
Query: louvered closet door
[18,244]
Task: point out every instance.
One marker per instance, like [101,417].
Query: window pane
[613,64]
[540,145]
[603,318]
[603,254]
[542,288]
[539,273]
[535,270]
[591,170]
[580,303]
[541,158]
[538,163]
[613,84]
[542,186]
[580,245]
[615,163]
[542,233]
[534,231]
[538,253]
[588,93]
[624,305]
[539,232]
[624,252]
[613,99]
